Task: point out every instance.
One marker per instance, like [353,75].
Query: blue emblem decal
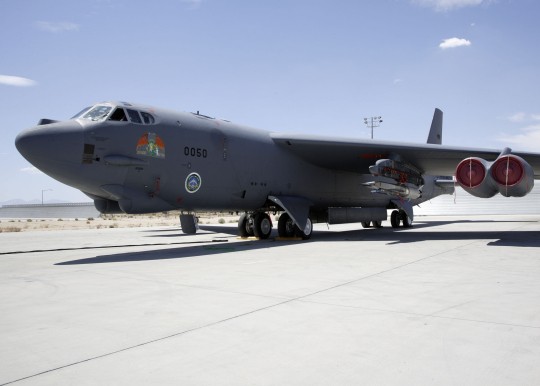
[193,182]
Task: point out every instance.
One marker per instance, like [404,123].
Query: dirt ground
[110,221]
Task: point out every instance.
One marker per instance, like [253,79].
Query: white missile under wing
[132,158]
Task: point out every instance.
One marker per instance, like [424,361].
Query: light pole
[44,190]
[373,122]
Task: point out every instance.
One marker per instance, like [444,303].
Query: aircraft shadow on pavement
[387,234]
[173,253]
[493,238]
[232,231]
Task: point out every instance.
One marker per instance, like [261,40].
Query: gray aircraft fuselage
[239,166]
[140,159]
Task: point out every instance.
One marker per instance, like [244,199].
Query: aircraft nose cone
[53,147]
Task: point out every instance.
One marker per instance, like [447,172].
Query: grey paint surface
[233,167]
[442,303]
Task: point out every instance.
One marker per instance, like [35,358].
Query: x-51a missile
[408,191]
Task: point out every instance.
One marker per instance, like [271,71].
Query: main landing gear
[287,228]
[256,224]
[260,225]
[370,224]
[398,217]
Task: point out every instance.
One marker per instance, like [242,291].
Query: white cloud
[16,81]
[56,27]
[528,138]
[518,117]
[448,5]
[454,42]
[523,117]
[31,170]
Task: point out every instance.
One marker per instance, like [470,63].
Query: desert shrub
[10,229]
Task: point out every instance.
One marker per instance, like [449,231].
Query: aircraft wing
[357,155]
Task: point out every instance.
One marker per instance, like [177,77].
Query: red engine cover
[470,173]
[507,170]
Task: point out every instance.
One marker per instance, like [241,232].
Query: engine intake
[472,175]
[509,175]
[514,175]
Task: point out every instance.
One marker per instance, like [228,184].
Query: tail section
[435,132]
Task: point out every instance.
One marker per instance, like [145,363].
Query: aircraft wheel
[395,219]
[188,223]
[285,226]
[407,222]
[366,224]
[306,233]
[245,225]
[262,225]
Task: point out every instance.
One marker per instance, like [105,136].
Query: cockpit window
[115,113]
[81,112]
[134,116]
[97,113]
[147,118]
[118,115]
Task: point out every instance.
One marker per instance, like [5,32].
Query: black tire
[366,224]
[407,222]
[243,228]
[306,233]
[377,224]
[395,219]
[262,225]
[188,223]
[286,227]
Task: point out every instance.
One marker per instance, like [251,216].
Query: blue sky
[303,66]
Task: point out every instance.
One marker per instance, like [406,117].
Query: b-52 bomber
[130,158]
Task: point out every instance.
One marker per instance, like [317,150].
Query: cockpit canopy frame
[117,113]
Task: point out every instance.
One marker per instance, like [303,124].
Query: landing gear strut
[398,217]
[256,224]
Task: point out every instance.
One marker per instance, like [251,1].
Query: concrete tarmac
[451,301]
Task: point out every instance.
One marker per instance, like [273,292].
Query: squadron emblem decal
[193,182]
[151,145]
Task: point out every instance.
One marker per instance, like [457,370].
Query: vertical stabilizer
[435,132]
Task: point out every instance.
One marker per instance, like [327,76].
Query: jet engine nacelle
[513,175]
[509,175]
[106,206]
